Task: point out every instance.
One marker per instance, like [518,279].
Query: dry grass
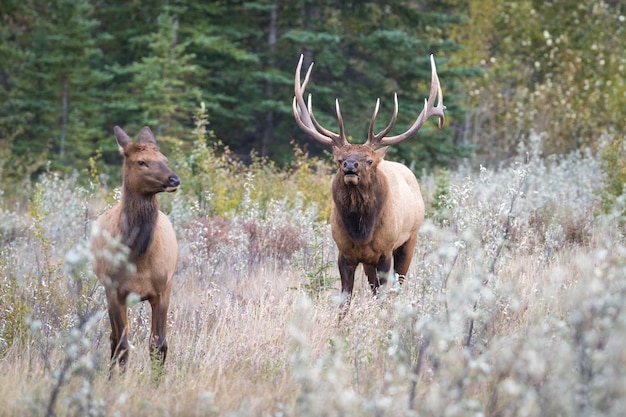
[504,313]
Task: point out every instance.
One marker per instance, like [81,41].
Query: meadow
[513,305]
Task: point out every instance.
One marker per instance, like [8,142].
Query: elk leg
[119,331]
[346,270]
[402,257]
[377,275]
[372,278]
[158,343]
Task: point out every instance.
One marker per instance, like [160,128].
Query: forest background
[71,70]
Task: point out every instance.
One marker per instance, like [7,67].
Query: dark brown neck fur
[138,220]
[360,206]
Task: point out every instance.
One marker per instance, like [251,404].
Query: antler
[429,110]
[305,118]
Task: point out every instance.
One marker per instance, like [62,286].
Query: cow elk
[377,205]
[148,239]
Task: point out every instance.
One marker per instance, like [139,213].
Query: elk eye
[370,161]
[143,163]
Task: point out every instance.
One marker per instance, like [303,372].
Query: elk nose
[350,165]
[174,181]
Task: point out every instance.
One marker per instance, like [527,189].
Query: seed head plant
[513,304]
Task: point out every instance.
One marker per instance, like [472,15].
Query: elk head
[357,162]
[145,167]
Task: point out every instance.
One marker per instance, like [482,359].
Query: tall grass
[513,305]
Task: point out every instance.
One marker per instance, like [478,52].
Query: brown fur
[149,237]
[377,205]
[376,220]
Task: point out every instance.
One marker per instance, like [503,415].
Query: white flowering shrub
[513,305]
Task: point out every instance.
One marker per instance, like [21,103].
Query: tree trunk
[268,125]
[63,118]
[310,16]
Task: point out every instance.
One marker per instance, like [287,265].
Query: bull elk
[148,234]
[377,205]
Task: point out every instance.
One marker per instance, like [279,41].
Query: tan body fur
[376,213]
[377,205]
[401,216]
[137,223]
[154,270]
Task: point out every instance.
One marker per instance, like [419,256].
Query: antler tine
[372,139]
[370,131]
[299,108]
[428,111]
[342,133]
[318,126]
[440,106]
[304,117]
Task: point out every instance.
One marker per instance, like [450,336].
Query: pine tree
[367,50]
[56,88]
[78,67]
[161,86]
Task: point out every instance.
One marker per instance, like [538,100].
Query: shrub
[614,168]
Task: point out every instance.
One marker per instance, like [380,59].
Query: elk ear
[122,138]
[146,136]
[381,152]
[336,152]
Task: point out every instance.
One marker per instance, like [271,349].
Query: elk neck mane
[360,207]
[138,220]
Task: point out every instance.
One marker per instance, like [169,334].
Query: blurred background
[72,69]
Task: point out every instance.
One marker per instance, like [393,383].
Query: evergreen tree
[56,89]
[365,50]
[229,41]
[76,68]
[14,21]
[162,87]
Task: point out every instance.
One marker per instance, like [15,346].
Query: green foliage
[72,70]
[208,175]
[159,89]
[614,172]
[313,177]
[15,308]
[553,67]
[48,286]
[439,207]
[316,268]
[220,185]
[51,81]
[34,279]
[44,286]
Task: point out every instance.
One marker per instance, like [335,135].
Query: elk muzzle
[172,183]
[350,172]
